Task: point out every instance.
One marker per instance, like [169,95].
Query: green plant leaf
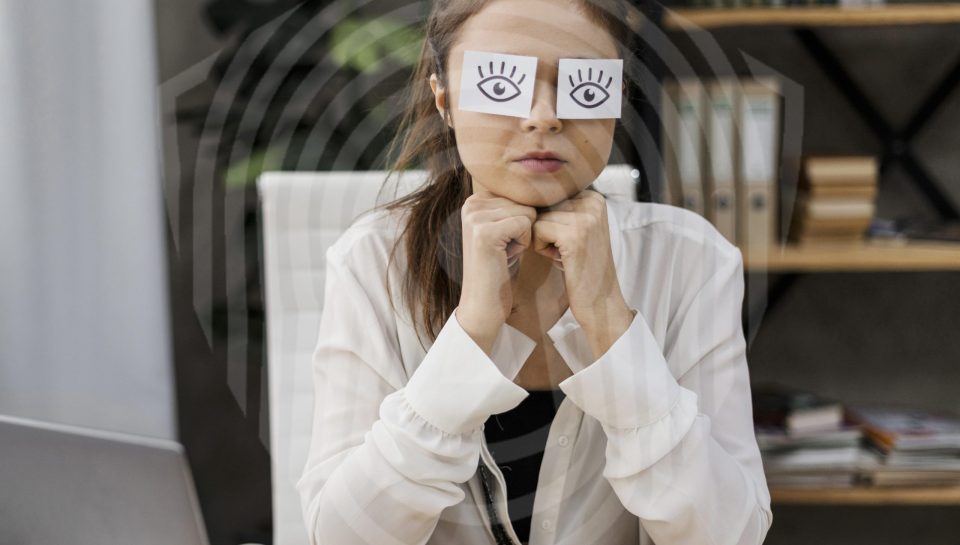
[363,44]
[246,171]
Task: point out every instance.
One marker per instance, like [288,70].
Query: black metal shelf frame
[895,143]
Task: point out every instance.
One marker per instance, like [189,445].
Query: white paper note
[495,83]
[589,88]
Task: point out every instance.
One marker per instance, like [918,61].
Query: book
[810,458]
[861,191]
[893,428]
[815,225]
[933,458]
[880,473]
[806,232]
[839,169]
[814,233]
[775,437]
[812,480]
[839,240]
[794,410]
[834,208]
[806,229]
[915,478]
[886,477]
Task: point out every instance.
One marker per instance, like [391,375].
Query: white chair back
[302,214]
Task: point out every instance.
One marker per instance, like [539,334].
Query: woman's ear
[440,97]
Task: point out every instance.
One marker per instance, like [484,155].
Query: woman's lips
[542,165]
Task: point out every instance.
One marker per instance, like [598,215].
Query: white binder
[668,143]
[758,165]
[721,148]
[690,111]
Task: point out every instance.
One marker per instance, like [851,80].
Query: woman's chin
[540,197]
[540,203]
[534,193]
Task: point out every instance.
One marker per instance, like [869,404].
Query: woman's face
[490,145]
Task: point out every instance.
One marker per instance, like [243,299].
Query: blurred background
[132,135]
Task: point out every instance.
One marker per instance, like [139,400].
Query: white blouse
[653,442]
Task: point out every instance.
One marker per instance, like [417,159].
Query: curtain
[84,317]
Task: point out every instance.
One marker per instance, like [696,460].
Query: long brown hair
[431,233]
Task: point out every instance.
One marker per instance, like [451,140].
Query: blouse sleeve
[384,462]
[682,454]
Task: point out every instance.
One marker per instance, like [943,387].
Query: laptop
[65,484]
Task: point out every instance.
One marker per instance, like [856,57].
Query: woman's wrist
[480,332]
[602,334]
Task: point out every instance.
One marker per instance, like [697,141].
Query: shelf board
[867,256]
[868,495]
[894,14]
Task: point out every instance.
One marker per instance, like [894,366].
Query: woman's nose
[543,112]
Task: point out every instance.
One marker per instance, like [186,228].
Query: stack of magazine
[809,440]
[912,446]
[806,439]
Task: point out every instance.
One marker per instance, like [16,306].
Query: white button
[563,440]
[546,525]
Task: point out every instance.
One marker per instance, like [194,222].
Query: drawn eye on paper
[589,93]
[500,87]
[589,88]
[497,83]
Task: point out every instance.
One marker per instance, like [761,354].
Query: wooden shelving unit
[869,256]
[819,16]
[866,495]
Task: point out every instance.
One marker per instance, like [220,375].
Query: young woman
[532,290]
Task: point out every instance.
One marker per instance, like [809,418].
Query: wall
[224,439]
[84,321]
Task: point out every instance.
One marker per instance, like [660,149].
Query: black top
[516,440]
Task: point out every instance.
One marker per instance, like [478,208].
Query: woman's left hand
[576,233]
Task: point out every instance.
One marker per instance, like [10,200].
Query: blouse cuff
[630,451]
[458,386]
[630,385]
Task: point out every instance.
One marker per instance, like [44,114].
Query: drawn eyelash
[497,91]
[589,95]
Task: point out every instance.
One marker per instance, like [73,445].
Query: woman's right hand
[495,230]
